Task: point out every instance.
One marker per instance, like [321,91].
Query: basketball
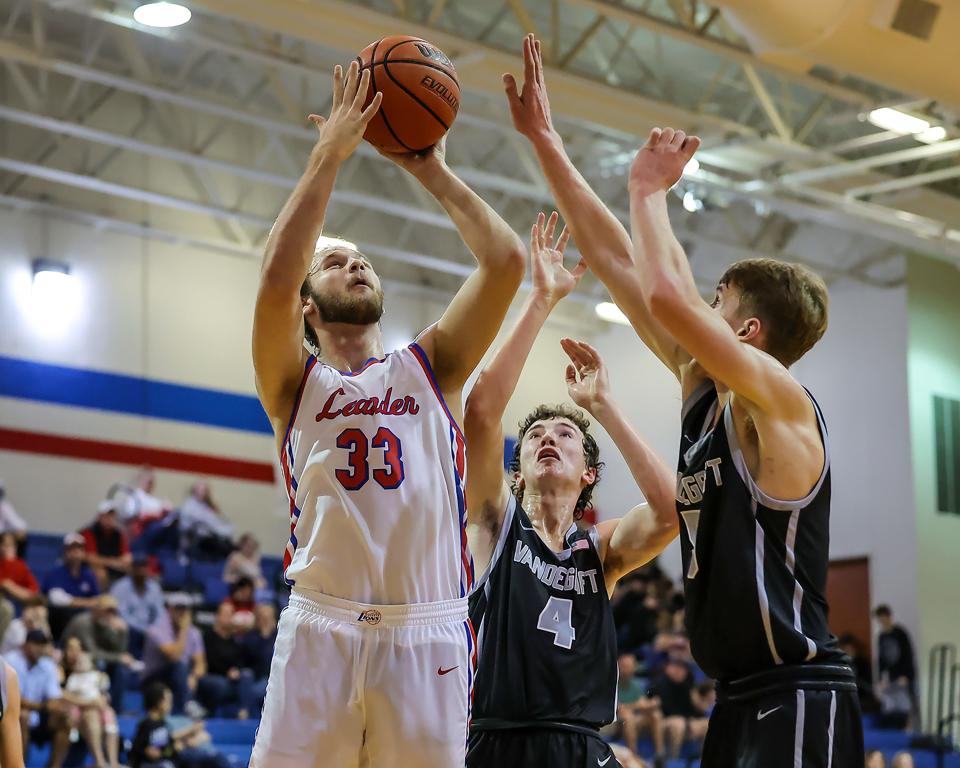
[421,94]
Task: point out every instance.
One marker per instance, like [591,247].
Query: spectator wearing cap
[103,634]
[108,552]
[139,601]
[42,709]
[173,653]
[17,583]
[70,587]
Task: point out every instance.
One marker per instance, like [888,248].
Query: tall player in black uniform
[753,487]
[547,657]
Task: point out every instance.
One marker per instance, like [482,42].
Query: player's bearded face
[363,306]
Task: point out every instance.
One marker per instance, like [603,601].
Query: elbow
[514,262]
[663,297]
[478,411]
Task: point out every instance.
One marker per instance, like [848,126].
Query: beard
[349,309]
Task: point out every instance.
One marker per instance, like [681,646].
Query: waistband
[495,724]
[378,616]
[808,677]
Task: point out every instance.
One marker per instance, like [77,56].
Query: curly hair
[591,452]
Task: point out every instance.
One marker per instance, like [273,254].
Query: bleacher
[234,738]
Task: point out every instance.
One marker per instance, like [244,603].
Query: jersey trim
[740,463]
[798,732]
[432,379]
[695,397]
[761,586]
[505,525]
[287,467]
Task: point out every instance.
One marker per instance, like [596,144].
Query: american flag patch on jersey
[579,544]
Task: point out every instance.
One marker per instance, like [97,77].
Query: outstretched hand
[587,382]
[551,280]
[660,162]
[342,131]
[530,107]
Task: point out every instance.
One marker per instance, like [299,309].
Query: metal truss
[197,135]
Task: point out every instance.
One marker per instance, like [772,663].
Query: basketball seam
[383,112]
[437,67]
[413,96]
[415,61]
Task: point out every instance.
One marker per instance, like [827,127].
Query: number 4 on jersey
[557,619]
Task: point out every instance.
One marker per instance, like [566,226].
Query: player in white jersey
[374,656]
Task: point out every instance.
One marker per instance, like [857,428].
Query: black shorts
[786,729]
[538,747]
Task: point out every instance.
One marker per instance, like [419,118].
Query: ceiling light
[607,310]
[691,167]
[53,296]
[691,202]
[932,135]
[162,14]
[894,120]
[328,242]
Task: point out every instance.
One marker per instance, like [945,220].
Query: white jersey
[374,468]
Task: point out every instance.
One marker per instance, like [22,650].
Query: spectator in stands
[241,599]
[634,612]
[684,710]
[207,531]
[863,669]
[139,601]
[157,744]
[229,678]
[875,759]
[108,552]
[245,562]
[635,711]
[16,581]
[11,522]
[11,737]
[84,689]
[897,665]
[173,653]
[34,616]
[902,760]
[259,644]
[43,713]
[103,634]
[70,587]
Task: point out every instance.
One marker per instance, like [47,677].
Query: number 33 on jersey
[373,464]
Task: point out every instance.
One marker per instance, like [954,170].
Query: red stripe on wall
[124,453]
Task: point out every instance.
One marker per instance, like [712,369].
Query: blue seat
[174,573]
[201,572]
[215,592]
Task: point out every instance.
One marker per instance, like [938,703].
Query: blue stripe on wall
[130,394]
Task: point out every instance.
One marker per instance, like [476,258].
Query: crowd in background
[100,623]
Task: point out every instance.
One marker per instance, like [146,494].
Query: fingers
[690,146]
[564,239]
[510,86]
[337,86]
[529,62]
[537,240]
[350,84]
[550,229]
[579,271]
[653,139]
[317,120]
[367,115]
[362,88]
[538,60]
[571,376]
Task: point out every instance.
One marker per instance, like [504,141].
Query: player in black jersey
[753,487]
[547,657]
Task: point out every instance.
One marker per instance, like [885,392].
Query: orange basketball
[421,95]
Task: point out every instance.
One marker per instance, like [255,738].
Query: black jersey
[755,568]
[547,647]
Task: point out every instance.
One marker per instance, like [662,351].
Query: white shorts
[355,685]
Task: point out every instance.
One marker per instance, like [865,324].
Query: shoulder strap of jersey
[509,516]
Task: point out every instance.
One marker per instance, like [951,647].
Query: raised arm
[646,530]
[671,293]
[278,353]
[458,341]
[601,238]
[486,490]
